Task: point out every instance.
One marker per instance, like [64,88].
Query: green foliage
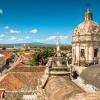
[4,48]
[41,57]
[70,61]
[26,49]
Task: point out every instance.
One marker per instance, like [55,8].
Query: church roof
[61,88]
[88,26]
[22,78]
[91,75]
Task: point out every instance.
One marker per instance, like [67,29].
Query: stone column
[91,54]
[73,54]
[87,53]
[77,53]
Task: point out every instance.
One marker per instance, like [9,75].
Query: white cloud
[37,40]
[63,37]
[10,30]
[1,11]
[6,27]
[2,35]
[20,39]
[52,39]
[14,31]
[34,31]
[1,39]
[13,38]
[27,37]
[60,37]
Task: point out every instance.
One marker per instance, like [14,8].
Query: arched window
[95,52]
[82,53]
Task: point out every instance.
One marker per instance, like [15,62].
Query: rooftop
[22,78]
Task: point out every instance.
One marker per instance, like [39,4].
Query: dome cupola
[86,41]
[88,15]
[88,26]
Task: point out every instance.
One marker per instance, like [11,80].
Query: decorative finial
[88,14]
[88,7]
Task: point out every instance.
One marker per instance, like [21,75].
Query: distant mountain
[28,44]
[37,43]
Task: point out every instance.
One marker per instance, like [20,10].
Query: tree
[3,48]
[70,61]
[40,58]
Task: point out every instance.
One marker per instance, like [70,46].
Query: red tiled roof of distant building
[7,54]
[1,93]
[26,58]
[28,69]
[6,57]
[19,80]
[20,67]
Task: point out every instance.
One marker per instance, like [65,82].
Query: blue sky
[41,20]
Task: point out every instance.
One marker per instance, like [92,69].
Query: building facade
[86,41]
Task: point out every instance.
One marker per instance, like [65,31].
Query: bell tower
[58,51]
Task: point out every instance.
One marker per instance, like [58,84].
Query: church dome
[88,26]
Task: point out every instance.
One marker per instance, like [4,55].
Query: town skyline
[27,21]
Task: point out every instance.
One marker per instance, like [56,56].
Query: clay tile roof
[22,78]
[28,69]
[86,96]
[61,88]
[91,75]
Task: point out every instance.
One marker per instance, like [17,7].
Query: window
[82,53]
[95,52]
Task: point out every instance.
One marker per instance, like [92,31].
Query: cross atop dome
[86,41]
[88,14]
[88,7]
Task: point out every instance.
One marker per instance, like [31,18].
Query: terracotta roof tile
[22,78]
[28,69]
